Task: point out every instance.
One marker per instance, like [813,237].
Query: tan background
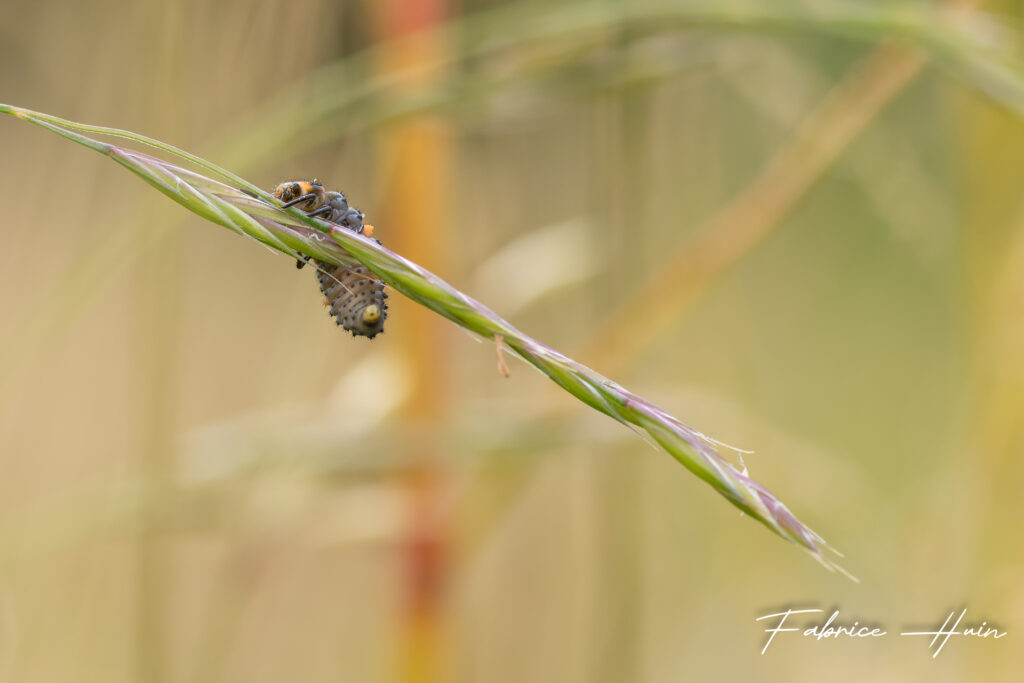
[204,480]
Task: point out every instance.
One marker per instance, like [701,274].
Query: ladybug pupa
[355,298]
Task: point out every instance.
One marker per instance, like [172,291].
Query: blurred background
[796,226]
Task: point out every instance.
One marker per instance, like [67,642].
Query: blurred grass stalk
[249,211]
[742,224]
[523,44]
[416,154]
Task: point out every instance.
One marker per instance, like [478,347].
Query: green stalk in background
[516,44]
[230,201]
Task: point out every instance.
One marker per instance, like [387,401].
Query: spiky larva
[355,297]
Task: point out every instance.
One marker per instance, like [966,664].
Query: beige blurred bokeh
[802,244]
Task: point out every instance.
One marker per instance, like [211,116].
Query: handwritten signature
[832,627]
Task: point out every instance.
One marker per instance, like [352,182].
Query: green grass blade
[293,233]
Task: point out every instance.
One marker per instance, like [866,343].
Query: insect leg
[322,211]
[299,200]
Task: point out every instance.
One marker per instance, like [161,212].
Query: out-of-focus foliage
[205,480]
